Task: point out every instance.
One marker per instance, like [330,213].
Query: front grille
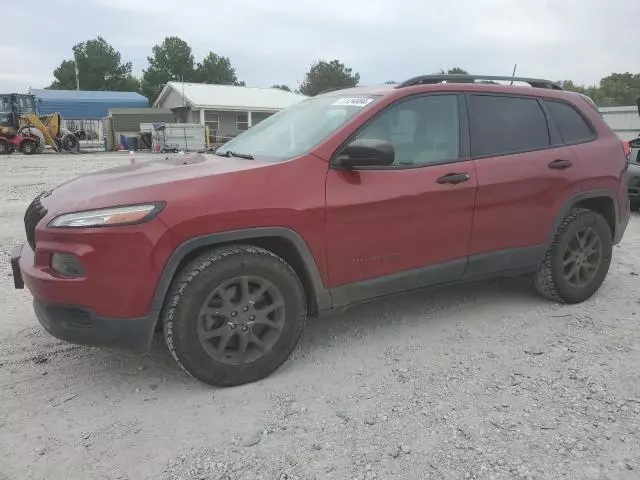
[35,212]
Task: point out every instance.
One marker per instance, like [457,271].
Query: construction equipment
[19,116]
[27,144]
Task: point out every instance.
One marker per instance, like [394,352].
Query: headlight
[108,217]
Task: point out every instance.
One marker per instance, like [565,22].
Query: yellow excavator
[18,116]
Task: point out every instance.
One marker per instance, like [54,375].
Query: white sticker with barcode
[353,101]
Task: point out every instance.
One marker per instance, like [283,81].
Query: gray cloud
[275,41]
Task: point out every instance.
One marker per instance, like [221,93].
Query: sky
[276,41]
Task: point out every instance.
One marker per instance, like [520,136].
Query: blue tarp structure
[85,105]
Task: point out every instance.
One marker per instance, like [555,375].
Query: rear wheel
[234,315]
[4,148]
[28,147]
[578,260]
[635,205]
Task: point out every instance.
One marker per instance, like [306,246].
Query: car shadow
[428,307]
[422,306]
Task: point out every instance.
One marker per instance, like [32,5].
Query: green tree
[615,90]
[216,69]
[325,75]
[620,89]
[282,87]
[100,67]
[572,86]
[453,71]
[172,60]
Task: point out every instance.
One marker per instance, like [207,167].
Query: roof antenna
[514,73]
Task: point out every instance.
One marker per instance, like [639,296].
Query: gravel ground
[480,381]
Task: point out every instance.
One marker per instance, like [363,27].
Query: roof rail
[433,79]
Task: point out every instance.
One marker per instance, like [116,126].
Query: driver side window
[423,130]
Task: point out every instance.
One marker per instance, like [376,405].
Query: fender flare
[576,198]
[322,295]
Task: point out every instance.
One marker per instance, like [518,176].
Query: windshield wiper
[229,154]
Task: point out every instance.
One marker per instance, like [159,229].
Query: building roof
[84,104]
[140,111]
[87,95]
[229,97]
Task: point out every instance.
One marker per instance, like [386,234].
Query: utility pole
[75,64]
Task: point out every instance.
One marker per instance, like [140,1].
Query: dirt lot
[482,381]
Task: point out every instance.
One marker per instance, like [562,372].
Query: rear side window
[504,125]
[573,128]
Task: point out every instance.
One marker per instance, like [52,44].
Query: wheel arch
[284,242]
[602,201]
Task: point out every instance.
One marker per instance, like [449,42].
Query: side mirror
[366,153]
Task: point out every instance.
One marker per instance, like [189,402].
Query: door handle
[454,178]
[560,164]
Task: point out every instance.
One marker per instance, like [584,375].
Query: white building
[225,109]
[625,121]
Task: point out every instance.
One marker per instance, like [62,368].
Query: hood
[143,182]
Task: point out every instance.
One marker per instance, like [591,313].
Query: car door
[406,225]
[525,173]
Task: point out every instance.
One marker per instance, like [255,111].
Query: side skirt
[516,261]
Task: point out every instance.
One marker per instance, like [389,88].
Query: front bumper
[81,325]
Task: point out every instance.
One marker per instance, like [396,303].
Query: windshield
[297,129]
[23,103]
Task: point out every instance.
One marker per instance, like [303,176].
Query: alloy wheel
[241,320]
[582,257]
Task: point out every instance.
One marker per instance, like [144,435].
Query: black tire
[635,205]
[70,142]
[34,132]
[192,290]
[4,148]
[28,147]
[551,279]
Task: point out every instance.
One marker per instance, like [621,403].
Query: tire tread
[190,274]
[544,281]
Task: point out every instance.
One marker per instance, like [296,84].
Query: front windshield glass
[297,129]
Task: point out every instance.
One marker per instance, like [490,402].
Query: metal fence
[89,132]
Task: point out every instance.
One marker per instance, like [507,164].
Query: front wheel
[578,259]
[234,315]
[70,142]
[34,132]
[28,147]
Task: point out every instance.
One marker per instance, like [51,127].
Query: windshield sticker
[353,101]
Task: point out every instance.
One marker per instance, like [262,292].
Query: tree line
[100,67]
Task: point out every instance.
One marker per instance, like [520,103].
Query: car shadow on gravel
[427,308]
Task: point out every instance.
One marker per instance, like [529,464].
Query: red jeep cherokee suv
[343,197]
